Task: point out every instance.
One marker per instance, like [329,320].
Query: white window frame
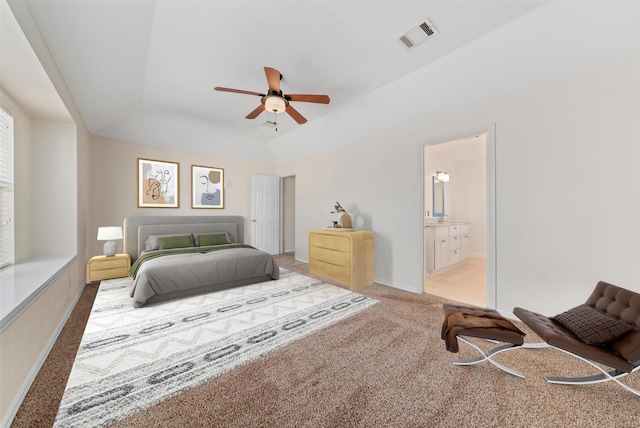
[7,223]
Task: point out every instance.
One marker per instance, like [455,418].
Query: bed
[177,256]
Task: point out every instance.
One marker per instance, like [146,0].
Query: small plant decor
[338,208]
[345,217]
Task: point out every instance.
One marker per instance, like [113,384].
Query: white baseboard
[402,287]
[17,401]
[398,286]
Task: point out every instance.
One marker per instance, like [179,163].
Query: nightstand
[103,267]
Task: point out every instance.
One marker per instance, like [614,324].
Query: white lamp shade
[109,233]
[275,104]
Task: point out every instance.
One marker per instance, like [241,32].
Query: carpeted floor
[133,358]
[385,367]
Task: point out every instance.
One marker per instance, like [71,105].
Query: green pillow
[213,239]
[182,241]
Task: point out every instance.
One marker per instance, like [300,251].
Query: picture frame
[207,187]
[158,184]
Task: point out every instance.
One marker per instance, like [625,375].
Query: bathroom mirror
[437,190]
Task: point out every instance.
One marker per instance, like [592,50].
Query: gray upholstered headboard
[138,228]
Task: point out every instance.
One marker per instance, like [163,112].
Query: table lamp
[110,234]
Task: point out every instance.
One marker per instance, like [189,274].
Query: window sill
[22,283]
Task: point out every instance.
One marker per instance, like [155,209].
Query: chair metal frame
[497,350]
[604,376]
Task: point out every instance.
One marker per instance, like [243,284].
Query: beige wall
[45,208]
[559,218]
[52,187]
[47,227]
[54,195]
[288,214]
[113,177]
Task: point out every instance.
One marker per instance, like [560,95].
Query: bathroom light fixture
[275,104]
[109,234]
[442,176]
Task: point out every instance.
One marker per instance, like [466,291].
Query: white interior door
[265,215]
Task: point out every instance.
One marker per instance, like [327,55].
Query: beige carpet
[385,367]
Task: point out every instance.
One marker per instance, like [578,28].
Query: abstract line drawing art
[158,184]
[207,187]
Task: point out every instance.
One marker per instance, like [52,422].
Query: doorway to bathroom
[456,218]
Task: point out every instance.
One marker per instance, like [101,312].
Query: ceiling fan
[275,101]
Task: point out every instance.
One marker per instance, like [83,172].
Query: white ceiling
[144,71]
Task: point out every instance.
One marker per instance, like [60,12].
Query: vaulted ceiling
[145,71]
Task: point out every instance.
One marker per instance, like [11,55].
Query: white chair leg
[487,356]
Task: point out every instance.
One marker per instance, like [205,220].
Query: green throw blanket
[186,250]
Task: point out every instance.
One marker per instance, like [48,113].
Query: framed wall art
[158,184]
[207,187]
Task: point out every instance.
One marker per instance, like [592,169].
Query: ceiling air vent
[418,34]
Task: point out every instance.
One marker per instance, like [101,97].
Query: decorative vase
[345,220]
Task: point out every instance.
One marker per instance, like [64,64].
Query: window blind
[6,189]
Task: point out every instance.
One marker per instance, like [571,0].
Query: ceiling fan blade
[295,115]
[273,78]
[308,98]
[238,91]
[255,112]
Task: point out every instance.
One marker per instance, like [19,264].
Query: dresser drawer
[338,273]
[335,257]
[109,264]
[103,267]
[99,275]
[345,256]
[333,242]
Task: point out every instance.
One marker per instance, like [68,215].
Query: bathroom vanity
[447,246]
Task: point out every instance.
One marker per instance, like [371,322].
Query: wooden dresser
[103,267]
[345,257]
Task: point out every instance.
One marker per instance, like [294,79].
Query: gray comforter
[178,275]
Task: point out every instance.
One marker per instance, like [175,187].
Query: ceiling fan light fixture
[275,104]
[274,101]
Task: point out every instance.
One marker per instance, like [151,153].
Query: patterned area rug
[130,359]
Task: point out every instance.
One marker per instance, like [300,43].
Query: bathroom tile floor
[466,283]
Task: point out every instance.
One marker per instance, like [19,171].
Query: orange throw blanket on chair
[457,320]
